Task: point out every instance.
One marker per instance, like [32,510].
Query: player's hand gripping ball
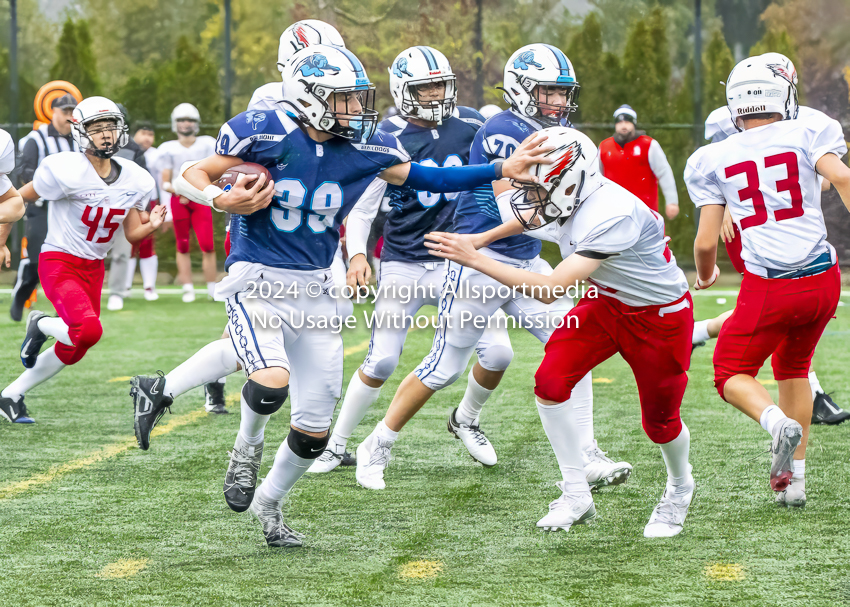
[250,169]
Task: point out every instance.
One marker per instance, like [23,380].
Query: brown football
[253,170]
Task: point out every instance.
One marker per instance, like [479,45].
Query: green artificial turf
[162,511]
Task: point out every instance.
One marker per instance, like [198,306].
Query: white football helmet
[761,85]
[312,77]
[489,110]
[546,67]
[573,175]
[90,111]
[422,65]
[302,34]
[186,111]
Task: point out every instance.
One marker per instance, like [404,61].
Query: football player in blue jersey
[435,132]
[323,153]
[541,88]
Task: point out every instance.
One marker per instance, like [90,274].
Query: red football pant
[73,286]
[734,249]
[782,316]
[654,340]
[144,248]
[192,217]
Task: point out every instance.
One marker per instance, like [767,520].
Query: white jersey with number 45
[767,177]
[85,211]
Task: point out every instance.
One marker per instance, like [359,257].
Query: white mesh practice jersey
[172,154]
[767,177]
[719,125]
[267,97]
[7,161]
[639,269]
[84,211]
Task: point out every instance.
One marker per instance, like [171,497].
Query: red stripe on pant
[656,347]
[73,286]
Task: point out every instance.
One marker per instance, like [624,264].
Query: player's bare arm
[573,269]
[239,200]
[11,206]
[139,225]
[705,245]
[5,256]
[838,174]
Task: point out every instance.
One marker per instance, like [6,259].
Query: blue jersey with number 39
[316,185]
[476,210]
[413,213]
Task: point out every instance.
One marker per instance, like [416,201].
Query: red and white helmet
[765,84]
[97,109]
[562,185]
[302,34]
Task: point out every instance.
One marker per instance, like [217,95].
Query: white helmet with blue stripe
[545,68]
[326,87]
[421,66]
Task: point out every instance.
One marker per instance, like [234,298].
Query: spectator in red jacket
[636,161]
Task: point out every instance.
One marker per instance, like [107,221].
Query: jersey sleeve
[383,149]
[719,125]
[827,137]
[502,137]
[44,181]
[612,236]
[699,177]
[470,117]
[7,161]
[250,134]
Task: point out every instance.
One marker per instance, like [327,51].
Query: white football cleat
[115,303]
[668,517]
[373,457]
[326,462]
[151,294]
[785,440]
[472,437]
[794,494]
[568,510]
[188,295]
[602,471]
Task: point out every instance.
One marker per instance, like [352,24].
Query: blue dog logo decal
[315,65]
[400,68]
[523,61]
[254,118]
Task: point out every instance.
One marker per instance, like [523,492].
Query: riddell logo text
[753,109]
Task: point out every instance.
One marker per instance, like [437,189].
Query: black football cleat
[348,459]
[214,393]
[33,340]
[240,482]
[149,405]
[277,533]
[15,411]
[826,412]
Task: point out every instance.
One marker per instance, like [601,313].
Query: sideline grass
[473,528]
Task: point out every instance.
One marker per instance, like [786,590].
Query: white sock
[700,332]
[211,289]
[208,364]
[46,366]
[770,417]
[814,383]
[560,428]
[676,457]
[188,287]
[799,469]
[55,327]
[581,400]
[384,433]
[149,267]
[358,398]
[252,426]
[131,272]
[473,401]
[285,472]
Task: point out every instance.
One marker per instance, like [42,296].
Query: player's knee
[383,368]
[496,358]
[89,333]
[555,389]
[307,446]
[264,400]
[661,431]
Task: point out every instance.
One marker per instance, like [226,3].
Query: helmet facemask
[432,110]
[90,135]
[355,106]
[187,132]
[533,206]
[553,114]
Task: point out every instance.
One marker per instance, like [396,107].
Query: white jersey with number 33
[85,211]
[767,177]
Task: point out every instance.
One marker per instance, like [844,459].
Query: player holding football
[541,87]
[718,126]
[768,177]
[93,194]
[436,132]
[642,311]
[323,153]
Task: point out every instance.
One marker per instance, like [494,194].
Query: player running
[718,126]
[93,194]
[323,153]
[541,87]
[768,177]
[642,310]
